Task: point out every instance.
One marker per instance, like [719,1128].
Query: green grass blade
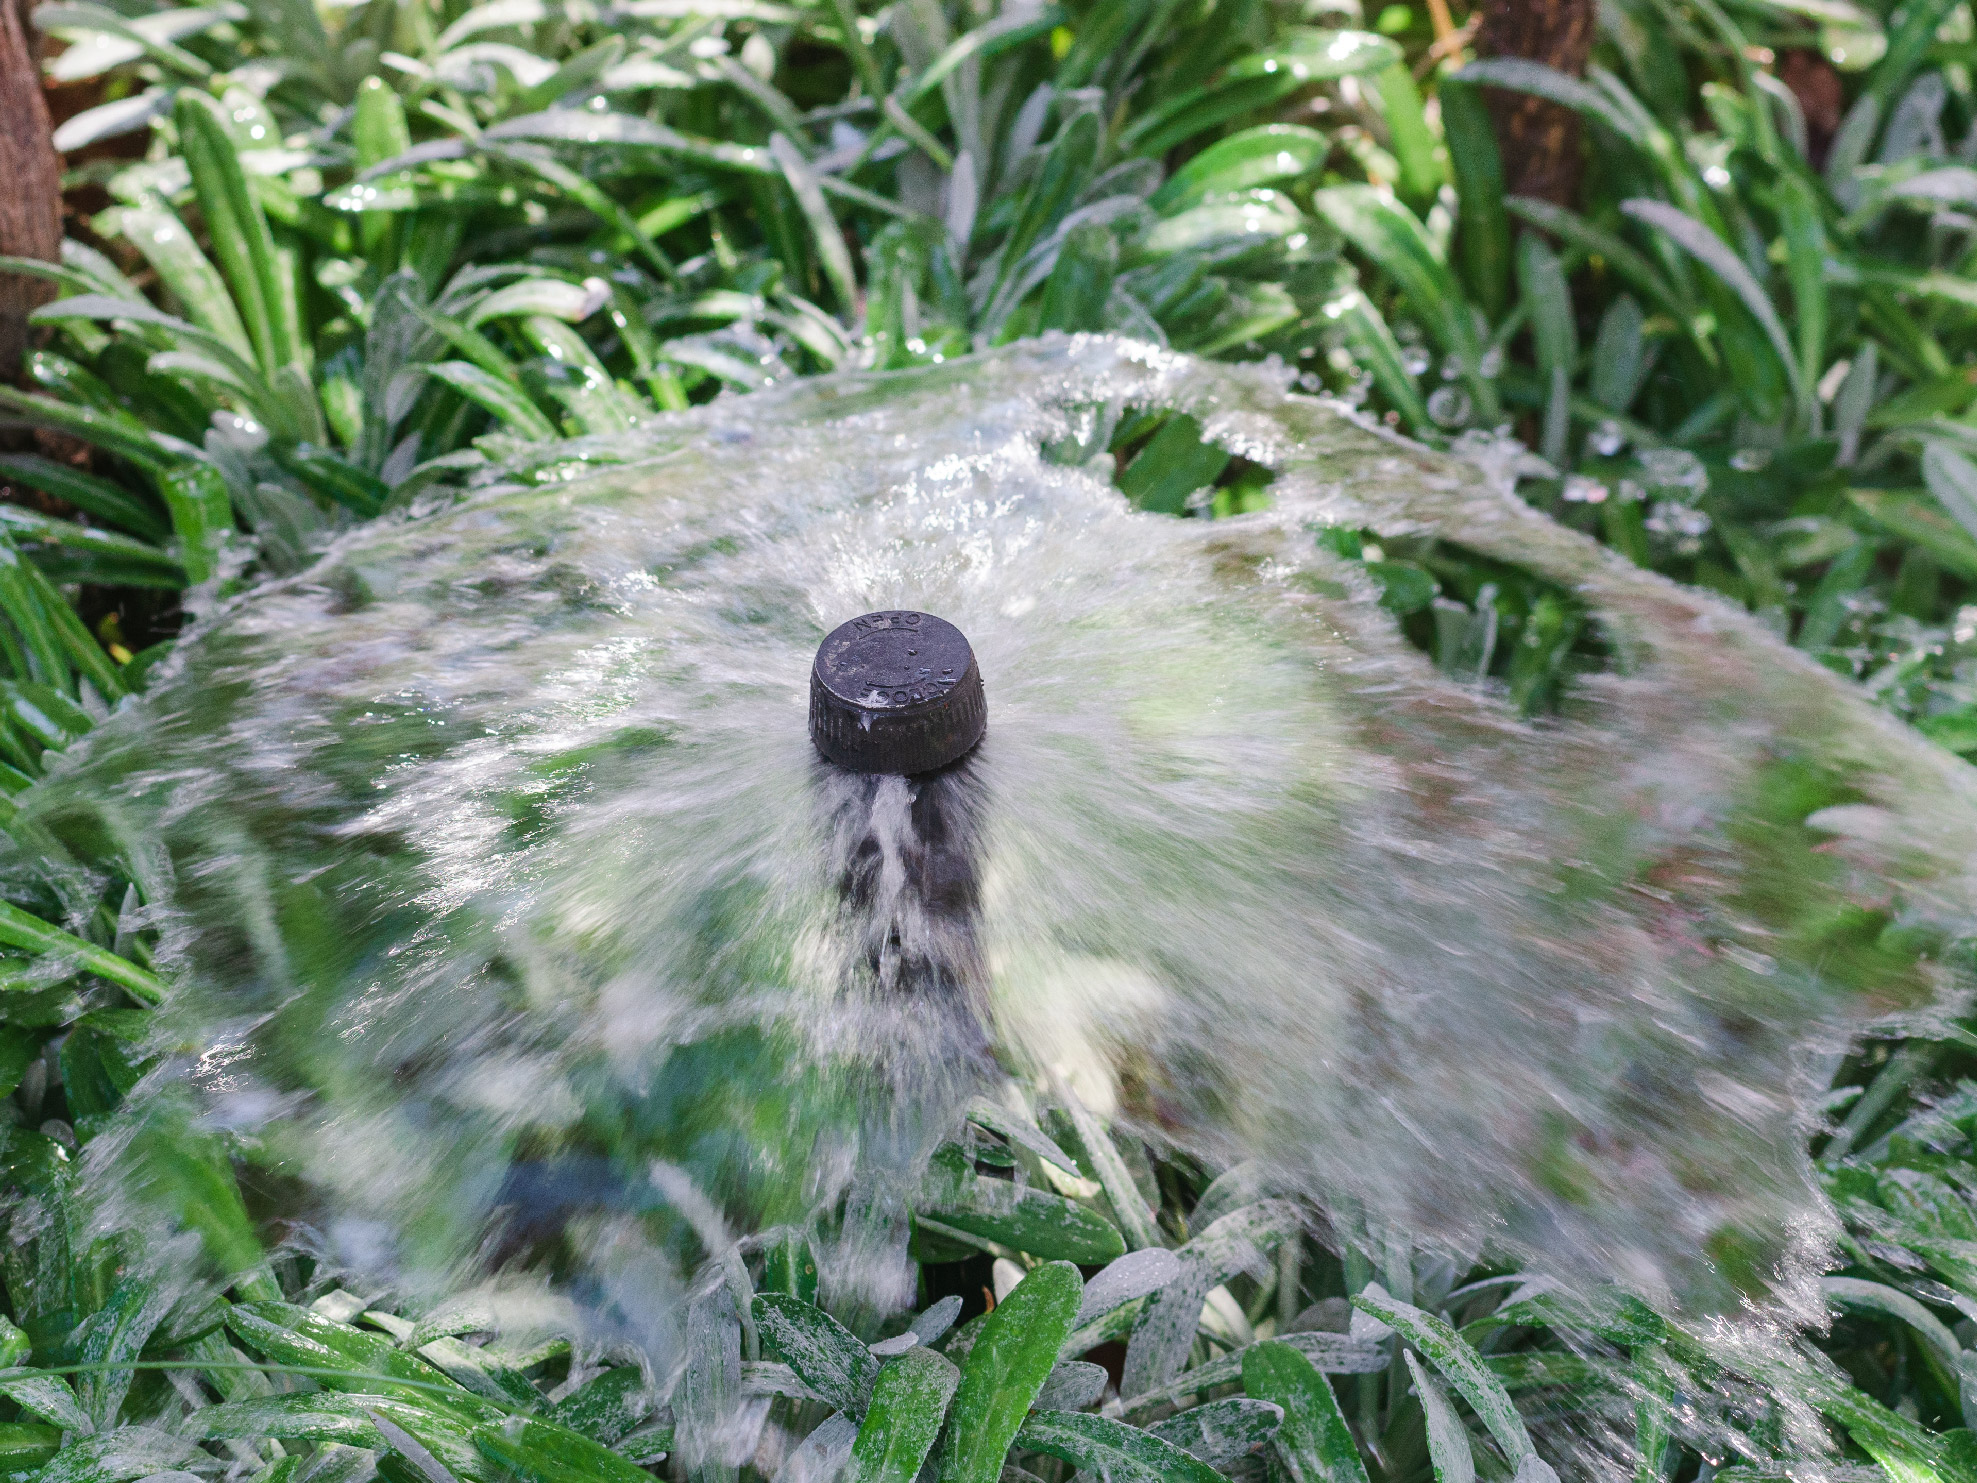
[1181,118]
[1449,1451]
[1569,226]
[1266,155]
[1128,1208]
[863,62]
[1906,49]
[30,933]
[1019,1129]
[1011,1357]
[502,398]
[1448,1352]
[89,493]
[594,200]
[1396,243]
[202,515]
[1413,142]
[1952,479]
[631,133]
[1220,1432]
[1173,465]
[1375,347]
[1002,34]
[832,254]
[1482,227]
[540,1451]
[119,434]
[1314,1442]
[1653,1414]
[1520,75]
[184,269]
[77,642]
[1710,250]
[68,277]
[379,132]
[1067,168]
[1554,335]
[23,607]
[824,1354]
[1024,1219]
[238,229]
[1806,255]
[1102,1448]
[909,1406]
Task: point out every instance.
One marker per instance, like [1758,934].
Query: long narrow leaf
[1710,250]
[19,929]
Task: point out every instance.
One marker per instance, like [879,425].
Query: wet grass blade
[1625,260]
[78,645]
[1394,240]
[821,1350]
[1134,1275]
[121,435]
[909,1406]
[49,1398]
[23,607]
[1019,1129]
[832,255]
[542,1452]
[1165,1331]
[1448,1352]
[1266,155]
[1483,228]
[1128,1208]
[1222,1432]
[1710,250]
[1518,74]
[1554,335]
[1006,1367]
[1102,1448]
[594,200]
[1414,144]
[1313,1441]
[202,515]
[238,230]
[1172,467]
[1024,1218]
[168,246]
[31,934]
[502,398]
[1806,255]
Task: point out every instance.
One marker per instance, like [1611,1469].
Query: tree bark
[1539,140]
[30,183]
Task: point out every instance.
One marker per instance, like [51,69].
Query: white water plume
[498,849]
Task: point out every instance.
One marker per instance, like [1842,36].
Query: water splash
[502,874]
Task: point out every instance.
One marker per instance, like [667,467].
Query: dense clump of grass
[335,260]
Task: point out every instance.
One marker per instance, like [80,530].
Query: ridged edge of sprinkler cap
[896,692]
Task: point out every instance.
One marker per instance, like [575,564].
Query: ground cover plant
[329,262]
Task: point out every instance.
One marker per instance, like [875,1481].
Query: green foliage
[371,249]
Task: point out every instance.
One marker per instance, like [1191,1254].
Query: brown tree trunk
[30,183]
[1539,140]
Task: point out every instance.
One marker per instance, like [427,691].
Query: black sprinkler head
[897,693]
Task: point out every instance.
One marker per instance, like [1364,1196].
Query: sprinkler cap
[896,692]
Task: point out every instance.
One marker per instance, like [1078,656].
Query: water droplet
[1607,439]
[1581,490]
[1450,406]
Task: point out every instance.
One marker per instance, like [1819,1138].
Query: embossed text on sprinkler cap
[896,692]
